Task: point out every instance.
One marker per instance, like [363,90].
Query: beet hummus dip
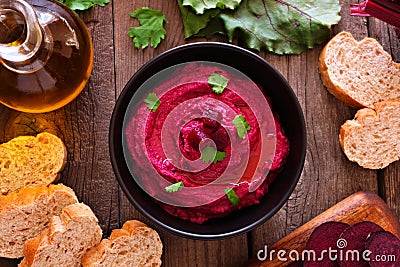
[165,147]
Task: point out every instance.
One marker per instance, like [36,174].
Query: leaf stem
[384,10]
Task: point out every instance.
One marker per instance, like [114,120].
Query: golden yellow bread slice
[133,245]
[25,214]
[29,161]
[66,240]
[372,139]
[359,74]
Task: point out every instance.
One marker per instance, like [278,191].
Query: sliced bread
[133,245]
[359,73]
[29,161]
[66,240]
[25,214]
[372,139]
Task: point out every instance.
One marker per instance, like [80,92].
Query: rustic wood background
[328,176]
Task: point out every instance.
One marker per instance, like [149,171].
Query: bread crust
[132,229]
[365,117]
[27,196]
[334,87]
[72,217]
[29,161]
[326,80]
[34,205]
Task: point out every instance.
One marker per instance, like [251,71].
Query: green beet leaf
[193,23]
[151,27]
[289,28]
[200,6]
[83,4]
[282,27]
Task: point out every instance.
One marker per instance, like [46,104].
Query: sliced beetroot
[296,264]
[385,249]
[353,239]
[324,238]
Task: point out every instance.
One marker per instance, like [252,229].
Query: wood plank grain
[127,61]
[361,206]
[328,176]
[390,176]
[177,251]
[87,123]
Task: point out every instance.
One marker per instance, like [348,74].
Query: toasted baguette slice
[359,73]
[372,139]
[26,214]
[133,245]
[29,161]
[68,237]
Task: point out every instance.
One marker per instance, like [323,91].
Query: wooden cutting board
[361,206]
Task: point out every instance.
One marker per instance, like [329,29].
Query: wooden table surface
[327,178]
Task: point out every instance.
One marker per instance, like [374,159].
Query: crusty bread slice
[25,214]
[372,139]
[133,245]
[68,237]
[359,73]
[29,161]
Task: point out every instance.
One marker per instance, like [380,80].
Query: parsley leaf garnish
[209,154]
[174,187]
[150,29]
[231,194]
[152,102]
[217,82]
[242,126]
[219,156]
[83,4]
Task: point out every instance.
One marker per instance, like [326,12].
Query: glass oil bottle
[46,55]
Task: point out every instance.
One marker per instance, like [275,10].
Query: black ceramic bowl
[284,102]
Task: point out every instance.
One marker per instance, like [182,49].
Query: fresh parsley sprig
[151,27]
[217,82]
[232,196]
[175,187]
[209,154]
[152,101]
[242,126]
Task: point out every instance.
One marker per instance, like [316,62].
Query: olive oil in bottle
[46,55]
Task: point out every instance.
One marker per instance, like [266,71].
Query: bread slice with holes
[359,73]
[25,214]
[372,139]
[29,161]
[66,240]
[133,245]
